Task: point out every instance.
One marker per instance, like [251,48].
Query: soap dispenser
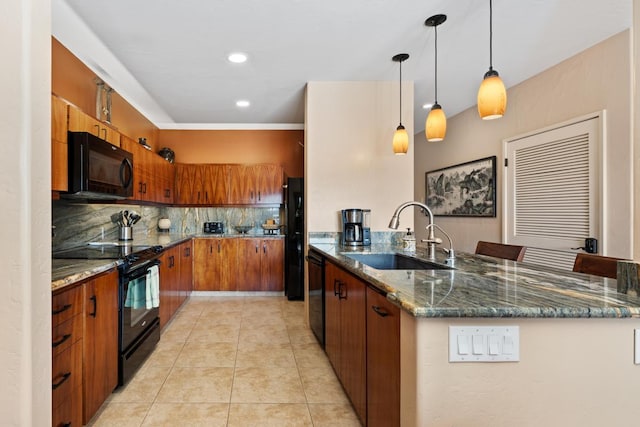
[409,241]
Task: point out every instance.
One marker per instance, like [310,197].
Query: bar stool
[500,250]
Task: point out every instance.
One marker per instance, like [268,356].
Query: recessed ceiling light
[237,57]
[242,103]
[427,106]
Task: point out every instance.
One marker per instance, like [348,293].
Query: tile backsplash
[77,223]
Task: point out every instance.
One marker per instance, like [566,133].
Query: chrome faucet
[431,240]
[451,254]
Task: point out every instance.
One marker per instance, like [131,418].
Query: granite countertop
[65,272]
[481,286]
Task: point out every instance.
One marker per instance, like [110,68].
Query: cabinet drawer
[69,413]
[65,305]
[66,373]
[65,334]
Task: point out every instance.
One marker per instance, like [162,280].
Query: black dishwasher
[316,294]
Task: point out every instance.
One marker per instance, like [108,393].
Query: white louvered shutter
[552,198]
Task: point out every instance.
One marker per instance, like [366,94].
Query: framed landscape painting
[467,189]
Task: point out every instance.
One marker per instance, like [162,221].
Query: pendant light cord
[436,64]
[400,93]
[490,35]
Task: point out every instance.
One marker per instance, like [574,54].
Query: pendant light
[400,137]
[492,95]
[436,125]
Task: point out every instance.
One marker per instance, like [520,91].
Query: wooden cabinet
[169,284]
[80,121]
[153,176]
[255,184]
[216,264]
[59,150]
[66,375]
[345,333]
[186,270]
[100,342]
[272,265]
[202,184]
[249,257]
[383,361]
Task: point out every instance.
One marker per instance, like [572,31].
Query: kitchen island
[576,342]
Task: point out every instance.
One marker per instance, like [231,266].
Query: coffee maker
[356,228]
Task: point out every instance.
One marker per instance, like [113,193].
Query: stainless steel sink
[394,261]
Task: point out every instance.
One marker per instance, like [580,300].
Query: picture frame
[466,189]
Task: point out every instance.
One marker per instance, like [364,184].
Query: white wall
[595,79]
[25,253]
[349,162]
[572,372]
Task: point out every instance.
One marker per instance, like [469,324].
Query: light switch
[463,344]
[494,345]
[637,350]
[507,345]
[478,344]
[473,344]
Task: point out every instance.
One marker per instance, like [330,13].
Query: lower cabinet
[175,279]
[345,333]
[215,264]
[84,348]
[100,343]
[238,264]
[383,361]
[362,342]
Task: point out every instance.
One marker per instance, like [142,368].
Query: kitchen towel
[135,296]
[153,287]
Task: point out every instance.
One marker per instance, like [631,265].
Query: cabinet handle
[60,310]
[105,133]
[66,424]
[210,249]
[144,185]
[63,339]
[256,248]
[59,383]
[259,196]
[97,130]
[187,252]
[218,247]
[95,306]
[336,282]
[340,296]
[252,195]
[198,197]
[140,187]
[379,311]
[206,196]
[264,248]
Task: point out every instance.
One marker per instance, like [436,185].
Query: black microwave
[98,169]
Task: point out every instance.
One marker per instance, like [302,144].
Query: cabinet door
[168,285]
[80,121]
[166,179]
[272,265]
[383,361]
[215,265]
[241,185]
[249,259]
[332,315]
[100,342]
[216,184]
[186,269]
[269,184]
[227,264]
[185,176]
[59,150]
[353,360]
[140,168]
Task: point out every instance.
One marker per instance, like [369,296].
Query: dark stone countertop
[482,286]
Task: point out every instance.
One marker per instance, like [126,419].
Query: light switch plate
[486,344]
[636,358]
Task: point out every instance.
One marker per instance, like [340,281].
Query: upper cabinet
[59,151]
[153,179]
[82,122]
[255,184]
[228,184]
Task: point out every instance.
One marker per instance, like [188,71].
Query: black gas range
[139,298]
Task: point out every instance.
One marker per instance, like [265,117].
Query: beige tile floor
[233,361]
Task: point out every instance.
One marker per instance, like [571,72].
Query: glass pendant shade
[436,125]
[492,97]
[400,141]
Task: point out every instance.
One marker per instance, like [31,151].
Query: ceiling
[169,58]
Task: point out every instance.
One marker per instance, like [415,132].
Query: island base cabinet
[345,334]
[383,361]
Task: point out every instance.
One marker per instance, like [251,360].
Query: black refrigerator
[294,242]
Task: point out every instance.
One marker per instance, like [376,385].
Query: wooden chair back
[500,250]
[597,265]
